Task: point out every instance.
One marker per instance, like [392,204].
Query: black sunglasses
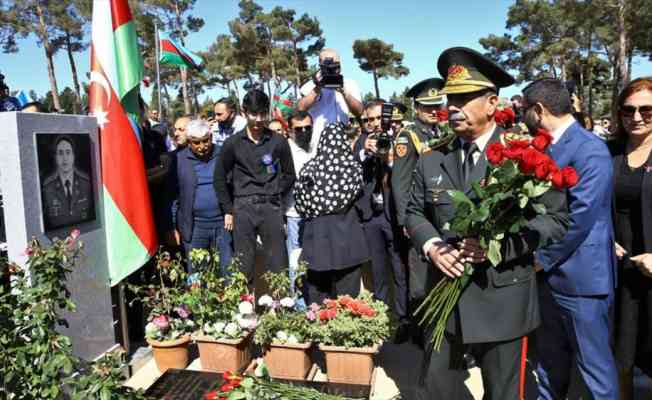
[630,111]
[302,129]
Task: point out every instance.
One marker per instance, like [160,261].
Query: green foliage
[380,59]
[283,322]
[103,381]
[345,322]
[169,302]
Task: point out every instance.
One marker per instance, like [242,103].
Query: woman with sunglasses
[632,158]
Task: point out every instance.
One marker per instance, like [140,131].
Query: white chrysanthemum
[293,339]
[245,308]
[265,300]
[246,321]
[231,329]
[287,302]
[282,336]
[219,327]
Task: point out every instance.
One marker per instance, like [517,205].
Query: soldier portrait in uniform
[66,183]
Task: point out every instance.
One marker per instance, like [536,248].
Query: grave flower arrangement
[282,321]
[262,386]
[223,305]
[168,300]
[520,172]
[351,322]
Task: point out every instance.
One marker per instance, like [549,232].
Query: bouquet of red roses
[520,172]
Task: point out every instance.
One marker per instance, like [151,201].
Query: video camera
[4,89]
[330,74]
[384,140]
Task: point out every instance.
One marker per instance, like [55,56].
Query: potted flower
[170,319]
[225,312]
[349,332]
[284,330]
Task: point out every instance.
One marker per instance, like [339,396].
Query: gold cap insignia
[433,92]
[458,73]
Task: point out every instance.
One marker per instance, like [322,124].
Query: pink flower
[162,322]
[75,234]
[182,311]
[314,307]
[248,297]
[29,251]
[311,315]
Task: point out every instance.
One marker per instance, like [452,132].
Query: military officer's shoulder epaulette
[82,175]
[50,179]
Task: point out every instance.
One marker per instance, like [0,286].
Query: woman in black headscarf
[334,245]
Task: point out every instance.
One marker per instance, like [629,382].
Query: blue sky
[421,29]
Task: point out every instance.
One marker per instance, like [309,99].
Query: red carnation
[344,300]
[570,176]
[495,153]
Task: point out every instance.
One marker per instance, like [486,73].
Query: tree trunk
[376,83]
[297,72]
[269,93]
[622,73]
[168,103]
[49,54]
[184,90]
[75,78]
[589,73]
[237,93]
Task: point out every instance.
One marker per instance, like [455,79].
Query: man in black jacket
[378,214]
[499,307]
[260,162]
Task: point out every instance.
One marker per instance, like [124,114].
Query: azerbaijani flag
[116,72]
[172,52]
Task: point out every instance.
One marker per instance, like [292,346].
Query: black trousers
[254,216]
[329,284]
[384,247]
[444,372]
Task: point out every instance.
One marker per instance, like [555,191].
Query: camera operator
[378,212]
[7,103]
[329,97]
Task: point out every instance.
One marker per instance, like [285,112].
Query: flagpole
[158,71]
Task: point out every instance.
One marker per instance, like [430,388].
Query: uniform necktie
[468,164]
[68,196]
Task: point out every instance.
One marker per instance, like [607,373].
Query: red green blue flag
[116,72]
[173,53]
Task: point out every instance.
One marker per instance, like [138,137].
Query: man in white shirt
[227,120]
[327,105]
[300,134]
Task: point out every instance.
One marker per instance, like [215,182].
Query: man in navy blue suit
[579,272]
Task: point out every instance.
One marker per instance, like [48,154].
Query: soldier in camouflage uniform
[67,194]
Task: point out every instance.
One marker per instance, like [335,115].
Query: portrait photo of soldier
[66,183]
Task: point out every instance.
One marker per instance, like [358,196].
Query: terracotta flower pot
[170,353]
[288,361]
[353,365]
[222,355]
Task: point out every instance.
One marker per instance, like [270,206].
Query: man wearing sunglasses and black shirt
[260,162]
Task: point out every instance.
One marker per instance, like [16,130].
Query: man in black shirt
[260,163]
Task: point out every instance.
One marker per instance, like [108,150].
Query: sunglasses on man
[303,129]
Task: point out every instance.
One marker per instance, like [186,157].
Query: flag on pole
[22,98]
[173,53]
[116,72]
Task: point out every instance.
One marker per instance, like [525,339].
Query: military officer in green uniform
[67,194]
[499,307]
[398,117]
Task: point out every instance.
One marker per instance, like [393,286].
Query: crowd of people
[343,182]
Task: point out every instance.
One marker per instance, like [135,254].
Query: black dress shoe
[402,334]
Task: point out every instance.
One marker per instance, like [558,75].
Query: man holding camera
[378,212]
[7,103]
[329,97]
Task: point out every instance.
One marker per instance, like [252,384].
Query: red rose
[442,115]
[541,142]
[495,153]
[519,143]
[570,176]
[557,179]
[513,153]
[544,167]
[529,161]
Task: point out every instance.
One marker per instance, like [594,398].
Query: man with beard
[579,278]
[260,163]
[300,135]
[227,121]
[499,307]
